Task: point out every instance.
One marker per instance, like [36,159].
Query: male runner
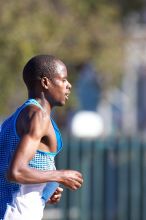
[29,141]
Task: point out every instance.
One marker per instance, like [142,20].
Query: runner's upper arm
[29,141]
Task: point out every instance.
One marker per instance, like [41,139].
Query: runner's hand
[71,179]
[55,198]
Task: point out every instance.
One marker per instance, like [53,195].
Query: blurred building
[134,81]
[124,109]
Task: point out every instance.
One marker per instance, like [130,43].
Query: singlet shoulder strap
[18,111]
[33,102]
[28,102]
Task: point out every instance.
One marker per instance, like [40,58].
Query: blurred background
[103,44]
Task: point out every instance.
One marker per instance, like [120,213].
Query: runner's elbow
[15,175]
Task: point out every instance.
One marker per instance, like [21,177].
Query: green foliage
[73,30]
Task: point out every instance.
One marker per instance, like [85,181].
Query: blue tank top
[9,140]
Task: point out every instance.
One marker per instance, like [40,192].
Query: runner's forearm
[28,175]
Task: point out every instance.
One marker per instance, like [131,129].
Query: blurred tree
[73,30]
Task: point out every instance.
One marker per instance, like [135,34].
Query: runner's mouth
[67,95]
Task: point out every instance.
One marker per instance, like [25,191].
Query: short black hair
[39,66]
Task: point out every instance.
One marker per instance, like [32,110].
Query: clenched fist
[71,179]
